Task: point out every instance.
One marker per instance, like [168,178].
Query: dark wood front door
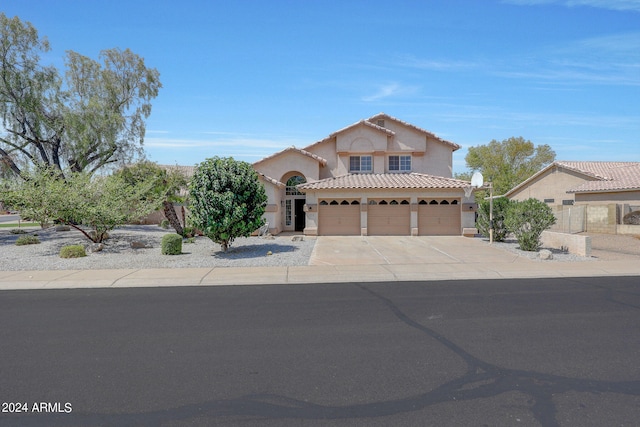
[300,216]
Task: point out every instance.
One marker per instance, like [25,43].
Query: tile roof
[320,160]
[384,181]
[187,171]
[608,176]
[371,122]
[271,180]
[603,176]
[364,123]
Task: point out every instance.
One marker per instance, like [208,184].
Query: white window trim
[360,163]
[400,169]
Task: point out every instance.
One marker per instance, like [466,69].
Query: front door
[300,216]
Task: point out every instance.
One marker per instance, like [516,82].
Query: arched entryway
[294,201]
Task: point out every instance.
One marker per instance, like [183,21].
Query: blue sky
[248,78]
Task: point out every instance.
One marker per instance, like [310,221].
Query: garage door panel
[339,220]
[388,220]
[439,220]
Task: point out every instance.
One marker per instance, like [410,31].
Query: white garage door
[339,218]
[439,217]
[389,217]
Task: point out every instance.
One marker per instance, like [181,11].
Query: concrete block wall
[601,218]
[573,243]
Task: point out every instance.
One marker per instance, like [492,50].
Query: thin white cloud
[611,60]
[235,142]
[390,90]
[621,5]
[411,61]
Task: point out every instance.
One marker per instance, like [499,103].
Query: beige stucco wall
[551,185]
[627,197]
[290,161]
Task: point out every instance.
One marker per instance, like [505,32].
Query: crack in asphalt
[480,381]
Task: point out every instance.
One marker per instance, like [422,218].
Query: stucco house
[606,191]
[379,176]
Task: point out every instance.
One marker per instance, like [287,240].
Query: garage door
[439,217]
[339,218]
[389,218]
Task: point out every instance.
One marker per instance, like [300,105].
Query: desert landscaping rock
[117,251]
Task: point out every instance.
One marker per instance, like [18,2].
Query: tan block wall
[573,243]
[601,218]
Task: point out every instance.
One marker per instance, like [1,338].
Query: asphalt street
[528,352]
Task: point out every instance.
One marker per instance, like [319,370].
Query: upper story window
[360,164]
[400,163]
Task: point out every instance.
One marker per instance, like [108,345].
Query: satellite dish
[477,180]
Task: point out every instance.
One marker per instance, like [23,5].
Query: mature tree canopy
[507,163]
[97,203]
[91,117]
[164,185]
[226,199]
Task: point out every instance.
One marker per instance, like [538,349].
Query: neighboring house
[379,176]
[610,189]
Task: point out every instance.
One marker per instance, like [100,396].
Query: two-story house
[379,176]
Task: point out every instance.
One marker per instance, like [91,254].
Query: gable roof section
[611,176]
[370,122]
[315,157]
[385,116]
[601,176]
[270,180]
[364,123]
[186,171]
[384,181]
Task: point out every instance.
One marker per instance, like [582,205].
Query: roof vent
[380,123]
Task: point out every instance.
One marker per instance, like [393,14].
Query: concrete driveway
[404,250]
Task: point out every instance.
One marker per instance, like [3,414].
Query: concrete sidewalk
[341,259]
[506,267]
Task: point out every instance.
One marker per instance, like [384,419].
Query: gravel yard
[245,252]
[118,253]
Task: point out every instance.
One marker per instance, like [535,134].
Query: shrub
[632,218]
[227,200]
[18,231]
[27,240]
[165,224]
[72,251]
[500,207]
[172,244]
[527,220]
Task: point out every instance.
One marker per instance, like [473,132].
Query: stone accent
[545,254]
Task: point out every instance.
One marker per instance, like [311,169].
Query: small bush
[188,232]
[527,220]
[500,208]
[18,231]
[632,218]
[172,244]
[27,240]
[165,224]
[72,251]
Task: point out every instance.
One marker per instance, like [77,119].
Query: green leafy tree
[507,163]
[500,208]
[164,185]
[91,205]
[226,200]
[90,118]
[38,198]
[527,220]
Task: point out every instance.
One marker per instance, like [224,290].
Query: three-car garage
[389,217]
